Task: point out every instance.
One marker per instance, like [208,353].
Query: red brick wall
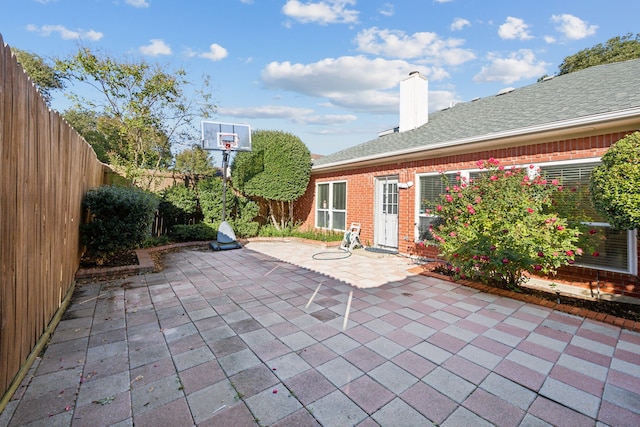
[361,190]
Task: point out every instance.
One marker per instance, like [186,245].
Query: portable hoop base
[226,238]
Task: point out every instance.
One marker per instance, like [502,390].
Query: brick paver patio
[232,339]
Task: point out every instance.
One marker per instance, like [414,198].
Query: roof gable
[590,92]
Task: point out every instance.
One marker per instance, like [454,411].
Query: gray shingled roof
[596,90]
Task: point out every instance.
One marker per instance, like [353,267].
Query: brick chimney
[414,101]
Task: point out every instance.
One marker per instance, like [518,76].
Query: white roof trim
[547,127]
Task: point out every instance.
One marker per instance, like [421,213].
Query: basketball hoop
[228,141]
[226,137]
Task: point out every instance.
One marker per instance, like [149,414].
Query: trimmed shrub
[615,185]
[121,219]
[194,232]
[210,192]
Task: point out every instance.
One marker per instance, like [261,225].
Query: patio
[270,335]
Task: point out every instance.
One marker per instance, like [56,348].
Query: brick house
[562,124]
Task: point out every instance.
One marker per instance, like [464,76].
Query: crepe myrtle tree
[615,185]
[499,226]
[277,170]
[144,109]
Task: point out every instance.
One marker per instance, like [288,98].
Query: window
[431,187]
[331,205]
[613,249]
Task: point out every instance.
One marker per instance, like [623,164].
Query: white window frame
[632,239]
[464,175]
[329,209]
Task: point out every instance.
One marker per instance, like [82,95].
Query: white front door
[386,214]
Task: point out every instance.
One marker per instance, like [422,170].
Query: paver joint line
[270,359]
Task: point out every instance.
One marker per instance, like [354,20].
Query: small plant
[316,234]
[499,226]
[270,230]
[152,242]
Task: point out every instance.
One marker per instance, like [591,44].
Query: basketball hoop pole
[225,137]
[225,166]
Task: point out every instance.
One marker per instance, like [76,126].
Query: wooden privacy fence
[45,169]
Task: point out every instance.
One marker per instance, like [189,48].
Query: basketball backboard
[226,136]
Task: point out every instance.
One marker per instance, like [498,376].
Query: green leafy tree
[179,205]
[277,170]
[243,221]
[615,185]
[499,226]
[210,196]
[43,74]
[145,109]
[616,49]
[195,162]
[92,128]
[240,210]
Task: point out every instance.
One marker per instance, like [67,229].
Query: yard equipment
[351,239]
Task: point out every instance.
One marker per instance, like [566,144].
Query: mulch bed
[613,308]
[119,259]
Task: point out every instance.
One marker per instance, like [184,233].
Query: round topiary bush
[615,185]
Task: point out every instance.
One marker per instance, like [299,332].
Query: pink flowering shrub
[499,227]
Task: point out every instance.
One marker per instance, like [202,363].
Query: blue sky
[326,70]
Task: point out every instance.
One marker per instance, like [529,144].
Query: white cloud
[518,65]
[216,53]
[387,9]
[304,116]
[138,3]
[354,82]
[265,112]
[573,27]
[459,23]
[423,45]
[65,33]
[549,39]
[155,48]
[514,28]
[325,119]
[321,12]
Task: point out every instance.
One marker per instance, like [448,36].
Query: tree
[91,126]
[241,210]
[615,185]
[193,162]
[277,170]
[616,49]
[42,74]
[144,109]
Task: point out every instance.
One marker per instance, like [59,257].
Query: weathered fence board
[45,169]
